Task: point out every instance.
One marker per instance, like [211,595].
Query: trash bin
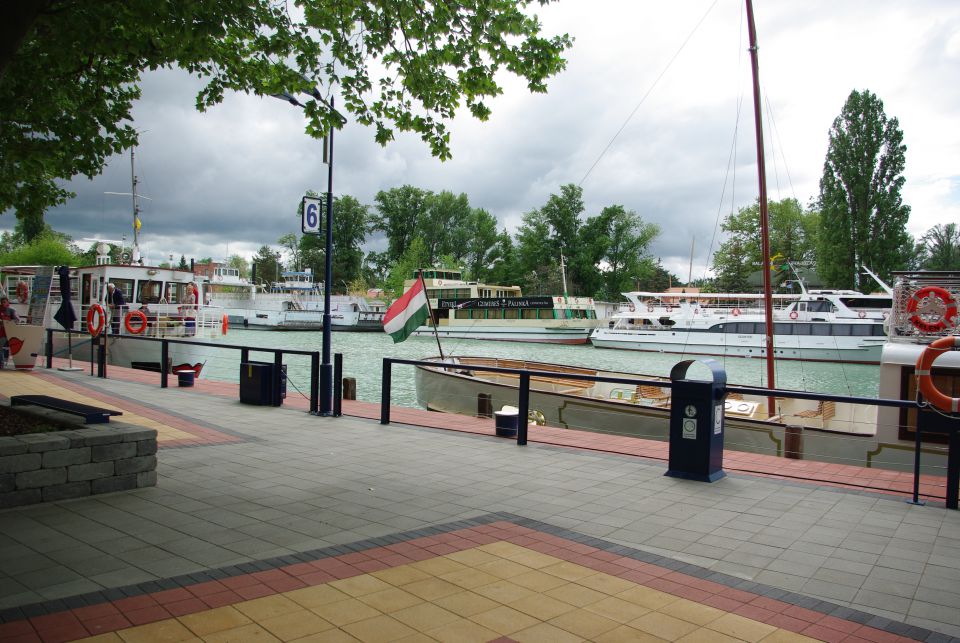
[256,383]
[507,422]
[185,378]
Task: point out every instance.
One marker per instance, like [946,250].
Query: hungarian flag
[406,314]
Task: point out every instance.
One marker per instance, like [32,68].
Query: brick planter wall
[45,467]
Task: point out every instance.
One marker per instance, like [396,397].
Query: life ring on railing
[649,308]
[135,314]
[23,293]
[924,295]
[439,282]
[793,314]
[669,308]
[96,309]
[633,308]
[924,380]
[696,311]
[736,312]
[225,324]
[861,314]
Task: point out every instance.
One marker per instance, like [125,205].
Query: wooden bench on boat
[816,418]
[560,384]
[90,414]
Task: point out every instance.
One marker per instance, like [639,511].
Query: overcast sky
[230,180]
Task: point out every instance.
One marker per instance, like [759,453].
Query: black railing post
[277,367]
[102,357]
[164,356]
[244,355]
[337,384]
[50,348]
[385,392]
[315,382]
[524,408]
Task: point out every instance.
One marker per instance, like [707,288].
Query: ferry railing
[98,346]
[525,375]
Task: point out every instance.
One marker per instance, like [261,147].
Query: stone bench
[90,414]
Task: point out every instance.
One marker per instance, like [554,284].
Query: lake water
[363,355]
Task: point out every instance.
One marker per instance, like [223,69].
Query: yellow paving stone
[606,583]
[160,632]
[466,603]
[647,597]
[499,548]
[663,625]
[575,594]
[360,585]
[294,625]
[330,636]
[785,636]
[568,571]
[538,581]
[541,606]
[503,591]
[741,627]
[704,635]
[531,558]
[544,633]
[462,631]
[343,612]
[425,616]
[267,607]
[469,578]
[503,568]
[378,629]
[252,632]
[437,566]
[390,600]
[432,588]
[471,557]
[316,596]
[215,620]
[584,623]
[504,620]
[617,609]
[625,634]
[109,637]
[692,612]
[400,575]
[417,638]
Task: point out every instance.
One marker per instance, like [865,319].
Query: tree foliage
[69,71]
[863,220]
[939,248]
[266,264]
[47,249]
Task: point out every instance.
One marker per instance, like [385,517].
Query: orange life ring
[225,324]
[23,294]
[925,382]
[96,309]
[793,314]
[736,312]
[135,314]
[924,294]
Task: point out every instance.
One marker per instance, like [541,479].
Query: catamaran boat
[924,310]
[295,302]
[471,310]
[816,325]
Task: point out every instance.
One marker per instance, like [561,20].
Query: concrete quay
[273,524]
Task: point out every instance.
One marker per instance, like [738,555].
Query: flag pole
[433,322]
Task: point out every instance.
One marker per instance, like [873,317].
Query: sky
[229,180]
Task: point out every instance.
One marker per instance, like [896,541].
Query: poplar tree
[863,220]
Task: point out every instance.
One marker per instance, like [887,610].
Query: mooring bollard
[349,388]
[484,405]
[793,442]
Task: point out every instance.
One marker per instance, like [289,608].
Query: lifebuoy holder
[135,314]
[96,310]
[925,383]
[924,294]
[23,293]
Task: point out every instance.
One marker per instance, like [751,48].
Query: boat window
[947,382]
[478,314]
[150,292]
[511,313]
[864,302]
[529,313]
[820,307]
[878,330]
[820,329]
[125,286]
[841,330]
[801,328]
[783,329]
[861,330]
[462,313]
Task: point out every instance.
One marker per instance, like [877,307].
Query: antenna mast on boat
[764,218]
[135,252]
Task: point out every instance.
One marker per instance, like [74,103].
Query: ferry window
[125,286]
[947,383]
[878,330]
[529,314]
[783,329]
[861,330]
[462,313]
[801,329]
[150,292]
[511,313]
[478,314]
[463,293]
[841,330]
[820,329]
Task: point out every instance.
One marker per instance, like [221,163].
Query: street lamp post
[326,366]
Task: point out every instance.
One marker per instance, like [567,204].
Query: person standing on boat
[7,313]
[189,308]
[118,307]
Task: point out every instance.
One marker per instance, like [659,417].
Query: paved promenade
[272,524]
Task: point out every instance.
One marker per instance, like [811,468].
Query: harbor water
[363,355]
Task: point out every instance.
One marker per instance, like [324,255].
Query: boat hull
[130,352]
[539,335]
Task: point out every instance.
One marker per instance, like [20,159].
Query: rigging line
[649,90]
[773,155]
[783,156]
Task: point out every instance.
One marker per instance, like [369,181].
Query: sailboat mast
[764,218]
[135,251]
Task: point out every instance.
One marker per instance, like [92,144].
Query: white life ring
[649,308]
[439,282]
[633,308]
[793,314]
[861,314]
